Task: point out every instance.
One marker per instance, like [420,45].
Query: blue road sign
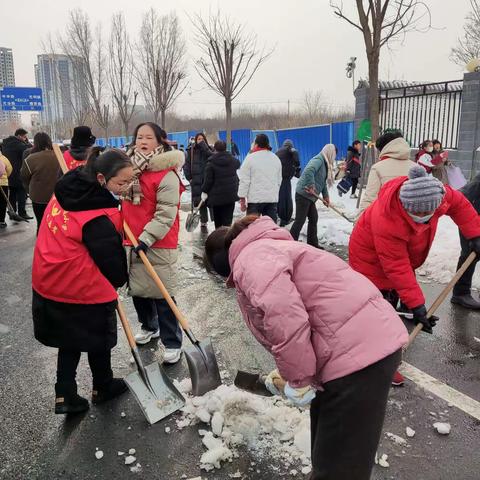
[21,99]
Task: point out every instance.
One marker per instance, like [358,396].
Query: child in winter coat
[337,348]
[354,165]
[393,237]
[78,264]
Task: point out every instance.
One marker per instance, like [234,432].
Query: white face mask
[417,219]
[429,149]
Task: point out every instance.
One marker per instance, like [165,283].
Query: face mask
[417,219]
[114,195]
[429,149]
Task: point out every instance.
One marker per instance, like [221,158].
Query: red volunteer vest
[71,162]
[63,270]
[137,216]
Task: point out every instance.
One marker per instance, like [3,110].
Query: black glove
[420,316]
[475,245]
[141,247]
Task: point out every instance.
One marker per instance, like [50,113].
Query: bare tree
[468,47]
[121,71]
[83,45]
[162,69]
[312,104]
[381,22]
[230,58]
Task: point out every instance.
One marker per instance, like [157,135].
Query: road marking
[440,389]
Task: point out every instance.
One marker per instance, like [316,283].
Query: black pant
[268,209]
[464,285]
[305,208]
[354,185]
[346,422]
[100,365]
[18,199]
[39,210]
[223,215]
[3,204]
[285,203]
[154,314]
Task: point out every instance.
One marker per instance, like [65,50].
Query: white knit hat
[421,193]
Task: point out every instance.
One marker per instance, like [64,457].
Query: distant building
[7,79]
[62,80]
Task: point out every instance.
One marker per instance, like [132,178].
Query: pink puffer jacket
[320,319]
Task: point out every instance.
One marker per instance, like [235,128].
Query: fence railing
[423,111]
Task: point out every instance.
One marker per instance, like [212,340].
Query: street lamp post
[351,65]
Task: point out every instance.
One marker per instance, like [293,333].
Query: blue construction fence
[307,140]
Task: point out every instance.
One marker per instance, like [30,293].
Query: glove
[420,316]
[300,397]
[204,196]
[475,245]
[141,247]
[269,382]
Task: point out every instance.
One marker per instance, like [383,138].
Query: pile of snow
[441,263]
[269,426]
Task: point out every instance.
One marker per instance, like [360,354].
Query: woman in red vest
[78,264]
[82,140]
[151,209]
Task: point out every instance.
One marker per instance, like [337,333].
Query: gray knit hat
[288,143]
[421,193]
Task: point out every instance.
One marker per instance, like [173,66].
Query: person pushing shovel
[393,237]
[335,340]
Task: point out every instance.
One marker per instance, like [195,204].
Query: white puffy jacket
[260,177]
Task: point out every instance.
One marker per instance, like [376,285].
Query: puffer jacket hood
[320,319]
[76,192]
[166,160]
[12,141]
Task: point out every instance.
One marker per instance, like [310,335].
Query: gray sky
[312,45]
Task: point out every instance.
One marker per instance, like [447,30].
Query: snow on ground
[269,426]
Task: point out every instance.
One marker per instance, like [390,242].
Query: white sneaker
[145,336]
[353,195]
[172,355]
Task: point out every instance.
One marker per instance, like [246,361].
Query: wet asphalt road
[36,444]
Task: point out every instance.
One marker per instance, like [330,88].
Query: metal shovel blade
[160,402]
[193,219]
[252,382]
[203,367]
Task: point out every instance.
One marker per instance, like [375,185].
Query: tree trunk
[106,135]
[125,128]
[373,61]
[162,111]
[228,116]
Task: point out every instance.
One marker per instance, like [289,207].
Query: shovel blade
[252,382]
[192,221]
[203,367]
[160,402]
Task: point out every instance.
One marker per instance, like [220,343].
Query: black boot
[68,401]
[112,389]
[466,301]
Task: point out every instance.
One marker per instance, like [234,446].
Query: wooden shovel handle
[126,325]
[60,159]
[151,271]
[442,296]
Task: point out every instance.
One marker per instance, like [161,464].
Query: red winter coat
[72,162]
[387,246]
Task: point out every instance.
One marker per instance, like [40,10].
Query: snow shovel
[11,212]
[154,391]
[439,300]
[335,209]
[202,363]
[193,218]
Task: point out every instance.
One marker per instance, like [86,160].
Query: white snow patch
[476,339]
[395,438]
[130,459]
[410,432]
[123,414]
[382,461]
[132,451]
[137,468]
[442,428]
[185,386]
[167,429]
[120,453]
[237,474]
[306,470]
[99,454]
[269,426]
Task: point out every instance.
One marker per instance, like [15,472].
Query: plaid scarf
[140,163]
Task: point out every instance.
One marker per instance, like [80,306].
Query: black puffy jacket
[353,163]
[221,179]
[194,168]
[290,161]
[472,191]
[13,149]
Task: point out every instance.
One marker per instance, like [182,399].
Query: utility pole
[288,112]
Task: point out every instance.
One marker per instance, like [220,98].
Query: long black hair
[108,163]
[41,142]
[158,131]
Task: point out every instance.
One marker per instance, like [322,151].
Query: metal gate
[423,111]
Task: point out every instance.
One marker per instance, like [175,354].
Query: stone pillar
[362,110]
